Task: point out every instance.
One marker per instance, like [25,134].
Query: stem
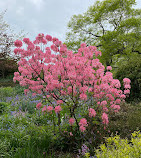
[59,121]
[76,121]
[53,125]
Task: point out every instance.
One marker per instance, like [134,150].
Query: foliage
[8,66]
[6,92]
[4,146]
[132,70]
[7,82]
[10,92]
[112,25]
[116,147]
[127,120]
[22,134]
[3,106]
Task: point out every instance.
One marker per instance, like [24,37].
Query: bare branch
[90,33]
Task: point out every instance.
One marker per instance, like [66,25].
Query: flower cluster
[49,109]
[127,85]
[92,112]
[71,121]
[83,124]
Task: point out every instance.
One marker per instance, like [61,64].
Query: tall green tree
[114,26]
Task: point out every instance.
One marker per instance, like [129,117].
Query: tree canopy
[114,26]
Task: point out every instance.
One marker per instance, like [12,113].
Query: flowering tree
[68,81]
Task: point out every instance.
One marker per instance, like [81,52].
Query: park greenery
[26,131]
[81,99]
[112,25]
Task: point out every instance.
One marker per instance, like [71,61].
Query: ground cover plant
[117,147]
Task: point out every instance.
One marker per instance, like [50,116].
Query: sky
[43,16]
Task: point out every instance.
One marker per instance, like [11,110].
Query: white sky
[44,16]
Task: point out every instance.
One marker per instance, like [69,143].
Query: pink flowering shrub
[72,81]
[57,109]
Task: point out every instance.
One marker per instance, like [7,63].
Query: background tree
[114,26]
[8,61]
[132,70]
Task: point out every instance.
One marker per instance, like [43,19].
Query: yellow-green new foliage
[116,147]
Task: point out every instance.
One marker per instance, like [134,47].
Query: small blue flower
[79,115]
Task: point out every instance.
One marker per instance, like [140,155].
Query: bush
[18,89]
[131,69]
[7,67]
[6,92]
[3,105]
[127,120]
[117,147]
[69,83]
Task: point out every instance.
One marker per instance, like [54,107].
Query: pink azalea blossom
[16,50]
[83,122]
[59,101]
[126,81]
[44,109]
[123,96]
[127,86]
[104,102]
[92,112]
[115,107]
[82,128]
[83,45]
[71,121]
[71,134]
[38,106]
[83,96]
[127,91]
[97,53]
[117,101]
[105,109]
[49,108]
[33,94]
[26,40]
[18,43]
[26,91]
[58,109]
[109,68]
[105,118]
[48,37]
[98,103]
